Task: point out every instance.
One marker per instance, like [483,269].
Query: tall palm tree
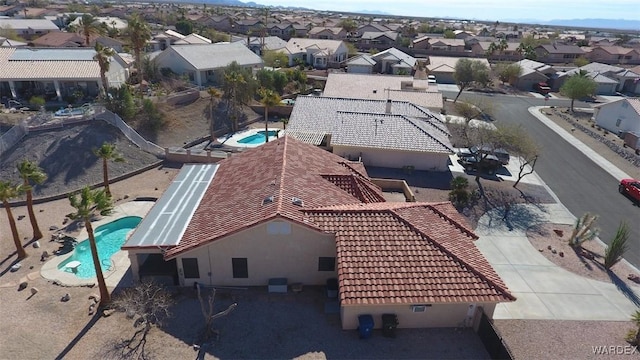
[30,171]
[213,94]
[139,34]
[233,81]
[9,191]
[268,98]
[89,203]
[107,152]
[103,57]
[89,27]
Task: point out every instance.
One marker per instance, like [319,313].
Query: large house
[289,212]
[384,133]
[29,28]
[72,39]
[443,67]
[558,53]
[532,72]
[55,73]
[316,52]
[203,63]
[614,55]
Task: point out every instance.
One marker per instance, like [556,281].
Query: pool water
[257,138]
[109,238]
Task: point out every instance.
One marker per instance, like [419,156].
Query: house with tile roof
[72,39]
[394,61]
[532,72]
[55,72]
[614,55]
[327,33]
[443,67]
[558,53]
[360,64]
[258,44]
[319,53]
[203,63]
[610,79]
[383,87]
[619,116]
[383,133]
[294,212]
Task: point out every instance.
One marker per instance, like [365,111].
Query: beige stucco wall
[395,158]
[293,256]
[607,116]
[437,315]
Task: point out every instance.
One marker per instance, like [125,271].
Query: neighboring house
[220,23]
[619,116]
[360,64]
[421,43]
[447,45]
[55,73]
[29,28]
[10,10]
[31,13]
[480,48]
[532,72]
[443,67]
[330,33]
[109,21]
[378,40]
[394,61]
[383,133]
[202,64]
[192,39]
[558,53]
[61,39]
[373,27]
[316,52]
[614,55]
[382,87]
[292,211]
[248,26]
[610,79]
[269,43]
[462,34]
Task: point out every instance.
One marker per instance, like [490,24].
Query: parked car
[501,154]
[477,162]
[630,188]
[542,88]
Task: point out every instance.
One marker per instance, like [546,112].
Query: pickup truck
[542,87]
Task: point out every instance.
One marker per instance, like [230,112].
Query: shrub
[459,194]
[37,101]
[584,230]
[618,246]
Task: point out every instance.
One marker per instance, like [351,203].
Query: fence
[130,134]
[492,340]
[13,136]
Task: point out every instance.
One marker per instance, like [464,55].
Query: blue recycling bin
[365,326]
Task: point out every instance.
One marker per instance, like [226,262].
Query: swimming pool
[257,138]
[249,138]
[109,239]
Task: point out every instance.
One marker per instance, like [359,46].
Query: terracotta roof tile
[391,253]
[284,169]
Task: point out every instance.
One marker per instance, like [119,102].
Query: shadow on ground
[290,325]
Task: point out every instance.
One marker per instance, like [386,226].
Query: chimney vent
[388,108]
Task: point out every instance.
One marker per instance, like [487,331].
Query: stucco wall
[395,158]
[608,115]
[436,315]
[359,69]
[294,256]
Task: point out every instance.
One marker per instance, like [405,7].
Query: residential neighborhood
[234,181]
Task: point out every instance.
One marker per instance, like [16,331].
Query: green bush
[459,194]
[37,101]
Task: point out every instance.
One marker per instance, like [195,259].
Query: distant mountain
[598,23]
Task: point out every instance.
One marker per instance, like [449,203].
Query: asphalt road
[579,183]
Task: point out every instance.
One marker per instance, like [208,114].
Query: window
[326,264]
[240,269]
[278,227]
[190,267]
[419,308]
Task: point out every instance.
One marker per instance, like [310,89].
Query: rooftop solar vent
[297,201]
[267,200]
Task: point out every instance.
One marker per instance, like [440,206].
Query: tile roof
[28,63]
[362,59]
[21,24]
[396,55]
[313,138]
[394,132]
[562,49]
[214,56]
[284,169]
[407,253]
[635,104]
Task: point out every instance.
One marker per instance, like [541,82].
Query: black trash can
[332,288]
[365,326]
[389,325]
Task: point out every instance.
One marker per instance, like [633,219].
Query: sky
[542,10]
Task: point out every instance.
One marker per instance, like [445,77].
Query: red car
[631,188]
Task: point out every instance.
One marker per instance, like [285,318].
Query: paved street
[580,184]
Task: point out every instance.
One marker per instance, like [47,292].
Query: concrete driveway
[543,289]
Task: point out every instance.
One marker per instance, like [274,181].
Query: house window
[240,268]
[278,227]
[618,122]
[190,267]
[326,264]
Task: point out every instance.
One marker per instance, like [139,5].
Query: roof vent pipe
[388,108]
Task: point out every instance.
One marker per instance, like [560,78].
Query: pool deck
[120,259]
[233,139]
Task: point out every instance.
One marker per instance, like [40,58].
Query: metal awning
[167,220]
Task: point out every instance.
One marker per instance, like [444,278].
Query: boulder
[65,298]
[16,267]
[36,245]
[92,309]
[94,298]
[23,285]
[34,290]
[44,256]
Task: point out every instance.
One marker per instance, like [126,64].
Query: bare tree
[208,312]
[149,304]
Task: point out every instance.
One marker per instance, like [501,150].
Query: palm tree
[89,204]
[232,83]
[9,191]
[139,34]
[89,27]
[107,152]
[30,171]
[213,94]
[103,57]
[268,98]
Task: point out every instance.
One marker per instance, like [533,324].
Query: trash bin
[389,325]
[332,288]
[365,326]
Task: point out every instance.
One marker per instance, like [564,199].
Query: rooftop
[50,63]
[214,56]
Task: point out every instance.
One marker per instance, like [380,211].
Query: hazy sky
[482,9]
